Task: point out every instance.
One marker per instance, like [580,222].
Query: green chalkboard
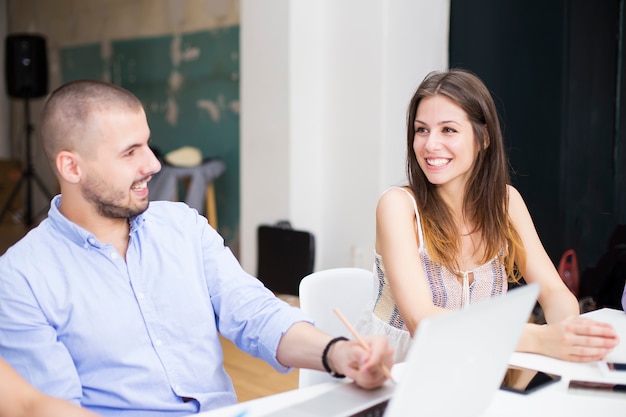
[189,85]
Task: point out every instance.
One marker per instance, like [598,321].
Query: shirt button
[140,296]
[113,255]
[158,342]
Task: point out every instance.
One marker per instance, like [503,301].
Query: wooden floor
[251,377]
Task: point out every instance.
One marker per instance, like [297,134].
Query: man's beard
[94,192]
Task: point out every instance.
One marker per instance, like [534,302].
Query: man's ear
[68,167]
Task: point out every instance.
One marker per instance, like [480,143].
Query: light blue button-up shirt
[136,337]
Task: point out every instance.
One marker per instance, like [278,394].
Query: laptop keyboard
[343,400]
[377,410]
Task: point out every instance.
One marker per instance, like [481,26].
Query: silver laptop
[454,367]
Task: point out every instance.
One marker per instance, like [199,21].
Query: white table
[552,401]
[556,400]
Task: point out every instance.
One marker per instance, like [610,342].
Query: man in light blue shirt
[116,303]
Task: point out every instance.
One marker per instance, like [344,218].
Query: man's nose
[152,165]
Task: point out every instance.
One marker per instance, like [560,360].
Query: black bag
[285,256]
[604,283]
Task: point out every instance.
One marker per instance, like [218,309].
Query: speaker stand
[28,176]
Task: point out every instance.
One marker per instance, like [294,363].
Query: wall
[179,57]
[189,86]
[324,91]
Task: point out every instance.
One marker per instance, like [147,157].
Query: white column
[264,120]
[324,90]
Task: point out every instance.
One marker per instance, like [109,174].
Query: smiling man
[117,303]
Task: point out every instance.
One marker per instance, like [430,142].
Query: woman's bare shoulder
[396,199]
[397,193]
[516,201]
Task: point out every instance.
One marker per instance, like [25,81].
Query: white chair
[347,289]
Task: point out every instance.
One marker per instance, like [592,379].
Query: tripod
[27,177]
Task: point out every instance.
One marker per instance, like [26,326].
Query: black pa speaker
[26,66]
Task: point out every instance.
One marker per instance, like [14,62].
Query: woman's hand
[577,339]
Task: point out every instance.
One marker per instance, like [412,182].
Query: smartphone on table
[607,389]
[525,381]
[613,368]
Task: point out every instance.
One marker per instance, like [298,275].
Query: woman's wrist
[531,338]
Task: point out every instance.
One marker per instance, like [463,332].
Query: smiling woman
[459,233]
[444,141]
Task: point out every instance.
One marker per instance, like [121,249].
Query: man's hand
[303,344]
[367,369]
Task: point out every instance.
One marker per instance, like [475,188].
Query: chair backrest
[347,289]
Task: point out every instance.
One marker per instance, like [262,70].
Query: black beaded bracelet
[325,359]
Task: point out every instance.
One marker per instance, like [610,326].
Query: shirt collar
[76,233]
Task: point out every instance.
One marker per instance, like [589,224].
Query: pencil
[359,339]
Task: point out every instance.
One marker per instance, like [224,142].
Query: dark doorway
[555,69]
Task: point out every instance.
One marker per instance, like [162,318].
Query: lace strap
[465,300]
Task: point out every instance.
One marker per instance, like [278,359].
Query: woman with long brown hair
[459,232]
